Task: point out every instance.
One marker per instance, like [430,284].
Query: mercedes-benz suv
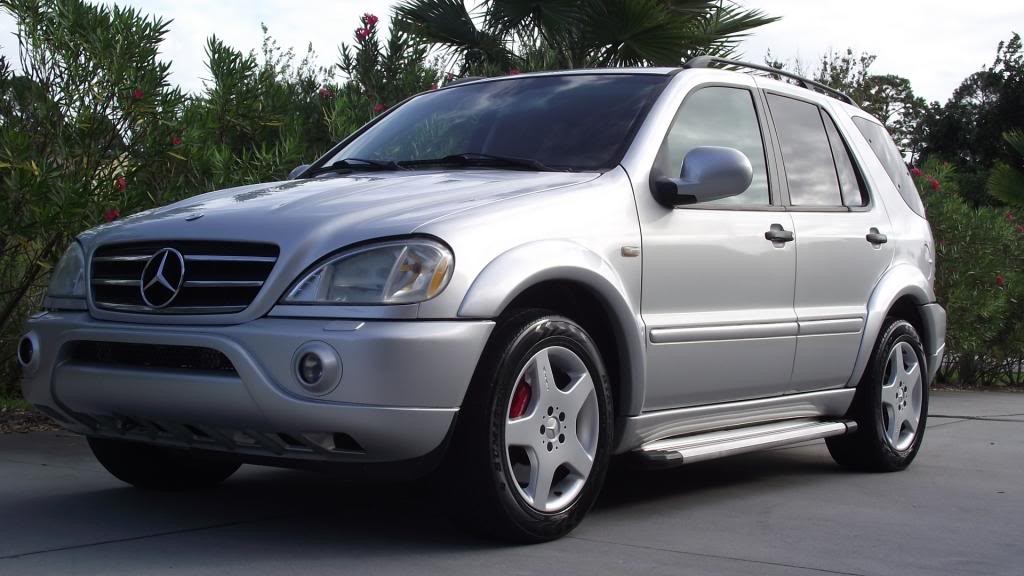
[507,281]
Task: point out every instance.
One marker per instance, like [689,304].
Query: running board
[709,445]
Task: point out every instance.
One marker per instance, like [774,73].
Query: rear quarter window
[885,150]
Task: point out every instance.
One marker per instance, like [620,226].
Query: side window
[885,149]
[849,182]
[718,116]
[810,169]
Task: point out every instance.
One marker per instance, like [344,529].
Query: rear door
[841,241]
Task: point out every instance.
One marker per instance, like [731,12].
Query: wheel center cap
[551,427]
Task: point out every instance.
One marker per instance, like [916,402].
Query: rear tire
[533,441]
[160,468]
[890,406]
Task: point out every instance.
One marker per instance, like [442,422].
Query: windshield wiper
[481,159]
[357,164]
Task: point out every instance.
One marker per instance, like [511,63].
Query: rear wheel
[534,436]
[158,467]
[891,404]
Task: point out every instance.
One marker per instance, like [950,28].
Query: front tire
[160,468]
[890,406]
[534,438]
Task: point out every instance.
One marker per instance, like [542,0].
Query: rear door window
[806,152]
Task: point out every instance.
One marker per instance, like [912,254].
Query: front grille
[192,358]
[219,277]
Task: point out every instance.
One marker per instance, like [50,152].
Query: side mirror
[708,173]
[297,171]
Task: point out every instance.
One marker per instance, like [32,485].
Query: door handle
[876,237]
[778,234]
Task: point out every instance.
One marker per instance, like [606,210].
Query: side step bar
[709,445]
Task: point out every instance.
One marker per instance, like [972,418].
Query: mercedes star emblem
[162,277]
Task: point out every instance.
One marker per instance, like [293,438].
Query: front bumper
[401,387]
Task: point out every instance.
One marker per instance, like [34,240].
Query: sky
[934,43]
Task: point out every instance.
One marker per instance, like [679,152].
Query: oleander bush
[979,281]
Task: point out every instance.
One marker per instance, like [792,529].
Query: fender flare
[512,272]
[897,282]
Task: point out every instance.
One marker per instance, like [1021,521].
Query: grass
[11,401]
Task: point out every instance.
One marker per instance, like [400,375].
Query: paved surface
[958,510]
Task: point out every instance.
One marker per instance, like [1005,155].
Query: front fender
[900,281]
[511,273]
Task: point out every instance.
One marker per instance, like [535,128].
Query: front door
[717,295]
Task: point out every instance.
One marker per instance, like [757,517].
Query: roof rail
[710,61]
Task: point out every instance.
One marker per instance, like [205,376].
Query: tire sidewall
[536,335]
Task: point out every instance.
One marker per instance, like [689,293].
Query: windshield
[577,122]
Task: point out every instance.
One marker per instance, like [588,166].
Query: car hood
[319,215]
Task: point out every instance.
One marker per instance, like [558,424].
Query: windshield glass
[568,122]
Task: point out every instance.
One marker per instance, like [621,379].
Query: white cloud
[934,43]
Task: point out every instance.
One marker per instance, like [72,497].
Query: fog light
[317,367]
[311,368]
[26,351]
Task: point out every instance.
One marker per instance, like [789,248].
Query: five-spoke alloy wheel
[534,436]
[552,428]
[891,405]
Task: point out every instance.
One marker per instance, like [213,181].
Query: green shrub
[980,281]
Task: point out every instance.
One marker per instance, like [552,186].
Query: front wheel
[890,406]
[535,432]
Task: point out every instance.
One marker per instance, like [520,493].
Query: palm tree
[499,35]
[1007,180]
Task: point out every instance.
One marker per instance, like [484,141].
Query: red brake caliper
[520,400]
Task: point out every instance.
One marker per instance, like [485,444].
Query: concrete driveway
[958,510]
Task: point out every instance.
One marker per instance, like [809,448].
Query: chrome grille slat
[212,258]
[219,277]
[223,283]
[114,282]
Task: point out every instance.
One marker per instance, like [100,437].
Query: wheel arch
[572,280]
[901,292]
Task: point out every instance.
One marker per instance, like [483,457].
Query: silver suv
[507,281]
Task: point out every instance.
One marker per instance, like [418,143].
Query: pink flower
[326,92]
[934,183]
[513,71]
[175,140]
[369,20]
[433,86]
[111,214]
[121,184]
[138,94]
[915,172]
[378,108]
[362,34]
[1009,217]
[1000,281]
[1020,229]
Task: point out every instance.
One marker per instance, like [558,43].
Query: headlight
[68,277]
[399,272]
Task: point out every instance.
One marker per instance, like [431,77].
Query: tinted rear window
[885,149]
